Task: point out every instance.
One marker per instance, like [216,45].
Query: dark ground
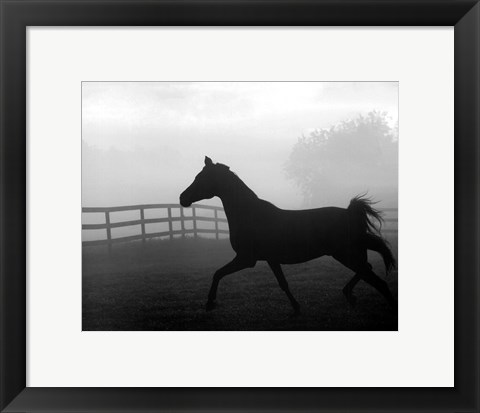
[164,285]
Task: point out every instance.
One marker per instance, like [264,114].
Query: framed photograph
[239,206]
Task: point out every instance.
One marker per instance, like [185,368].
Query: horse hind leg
[375,281]
[348,289]
[354,262]
[277,270]
[363,271]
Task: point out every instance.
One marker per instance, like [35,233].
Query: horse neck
[236,197]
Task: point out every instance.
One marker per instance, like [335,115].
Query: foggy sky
[144,142]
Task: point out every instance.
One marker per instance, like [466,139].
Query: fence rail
[196,217]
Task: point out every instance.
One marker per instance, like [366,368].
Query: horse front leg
[237,264]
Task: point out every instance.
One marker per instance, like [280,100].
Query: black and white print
[239,206]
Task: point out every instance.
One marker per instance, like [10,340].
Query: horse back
[290,236]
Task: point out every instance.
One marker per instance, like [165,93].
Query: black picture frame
[16,15]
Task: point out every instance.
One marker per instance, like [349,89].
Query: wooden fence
[195,218]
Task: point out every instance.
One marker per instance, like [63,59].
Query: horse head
[205,185]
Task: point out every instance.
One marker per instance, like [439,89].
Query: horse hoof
[210,305]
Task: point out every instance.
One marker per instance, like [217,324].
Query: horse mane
[240,184]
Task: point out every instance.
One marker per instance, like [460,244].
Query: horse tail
[364,214]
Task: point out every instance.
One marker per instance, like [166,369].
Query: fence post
[109,232]
[216,223]
[142,217]
[182,222]
[194,216]
[170,224]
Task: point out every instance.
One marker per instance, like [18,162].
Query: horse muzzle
[184,202]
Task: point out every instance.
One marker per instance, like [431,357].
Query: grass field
[163,285]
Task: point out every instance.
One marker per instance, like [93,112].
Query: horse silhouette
[259,231]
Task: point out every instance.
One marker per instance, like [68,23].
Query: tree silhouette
[360,154]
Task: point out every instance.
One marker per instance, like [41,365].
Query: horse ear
[208,161]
